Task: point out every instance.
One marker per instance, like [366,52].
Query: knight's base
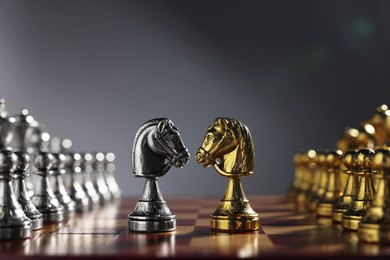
[18,232]
[146,225]
[234,223]
[369,232]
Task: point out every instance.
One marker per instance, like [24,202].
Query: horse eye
[175,140]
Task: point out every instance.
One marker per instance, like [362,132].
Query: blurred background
[295,72]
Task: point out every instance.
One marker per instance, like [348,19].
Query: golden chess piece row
[350,185]
[353,189]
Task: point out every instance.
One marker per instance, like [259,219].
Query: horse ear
[161,126]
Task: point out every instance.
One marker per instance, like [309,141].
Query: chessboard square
[202,222]
[181,215]
[275,230]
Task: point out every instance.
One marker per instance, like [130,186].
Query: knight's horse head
[157,147]
[228,147]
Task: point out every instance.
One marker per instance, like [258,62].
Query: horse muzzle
[182,159]
[203,157]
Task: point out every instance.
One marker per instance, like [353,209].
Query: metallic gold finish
[380,122]
[293,190]
[370,225]
[323,180]
[343,203]
[353,139]
[307,161]
[228,146]
[332,192]
[365,191]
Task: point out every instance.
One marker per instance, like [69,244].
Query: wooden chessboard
[284,233]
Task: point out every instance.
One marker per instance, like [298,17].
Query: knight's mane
[245,157]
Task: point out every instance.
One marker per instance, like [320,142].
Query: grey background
[295,72]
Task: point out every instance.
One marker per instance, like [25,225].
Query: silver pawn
[59,186]
[109,169]
[20,174]
[14,224]
[86,171]
[76,191]
[6,126]
[101,185]
[44,198]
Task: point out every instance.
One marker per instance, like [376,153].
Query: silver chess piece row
[57,184]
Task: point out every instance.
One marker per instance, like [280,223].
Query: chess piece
[155,142]
[228,146]
[323,179]
[77,194]
[60,191]
[86,171]
[350,189]
[353,139]
[109,169]
[44,198]
[20,174]
[380,121]
[14,224]
[315,183]
[29,137]
[307,168]
[332,192]
[293,190]
[384,228]
[369,227]
[99,181]
[365,192]
[6,126]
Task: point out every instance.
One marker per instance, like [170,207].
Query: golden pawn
[299,168]
[332,192]
[228,146]
[365,192]
[369,227]
[323,180]
[308,165]
[315,181]
[384,230]
[350,188]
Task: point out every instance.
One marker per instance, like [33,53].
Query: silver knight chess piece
[155,142]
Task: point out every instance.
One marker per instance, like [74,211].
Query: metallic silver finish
[6,126]
[76,192]
[14,224]
[44,198]
[59,186]
[86,171]
[109,169]
[100,182]
[20,174]
[155,142]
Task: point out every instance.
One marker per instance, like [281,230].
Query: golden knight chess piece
[332,191]
[345,200]
[380,121]
[369,227]
[365,192]
[228,146]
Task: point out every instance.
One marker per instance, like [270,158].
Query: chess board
[284,233]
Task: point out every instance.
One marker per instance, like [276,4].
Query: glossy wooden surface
[284,233]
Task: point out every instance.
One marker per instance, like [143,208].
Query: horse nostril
[199,157]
